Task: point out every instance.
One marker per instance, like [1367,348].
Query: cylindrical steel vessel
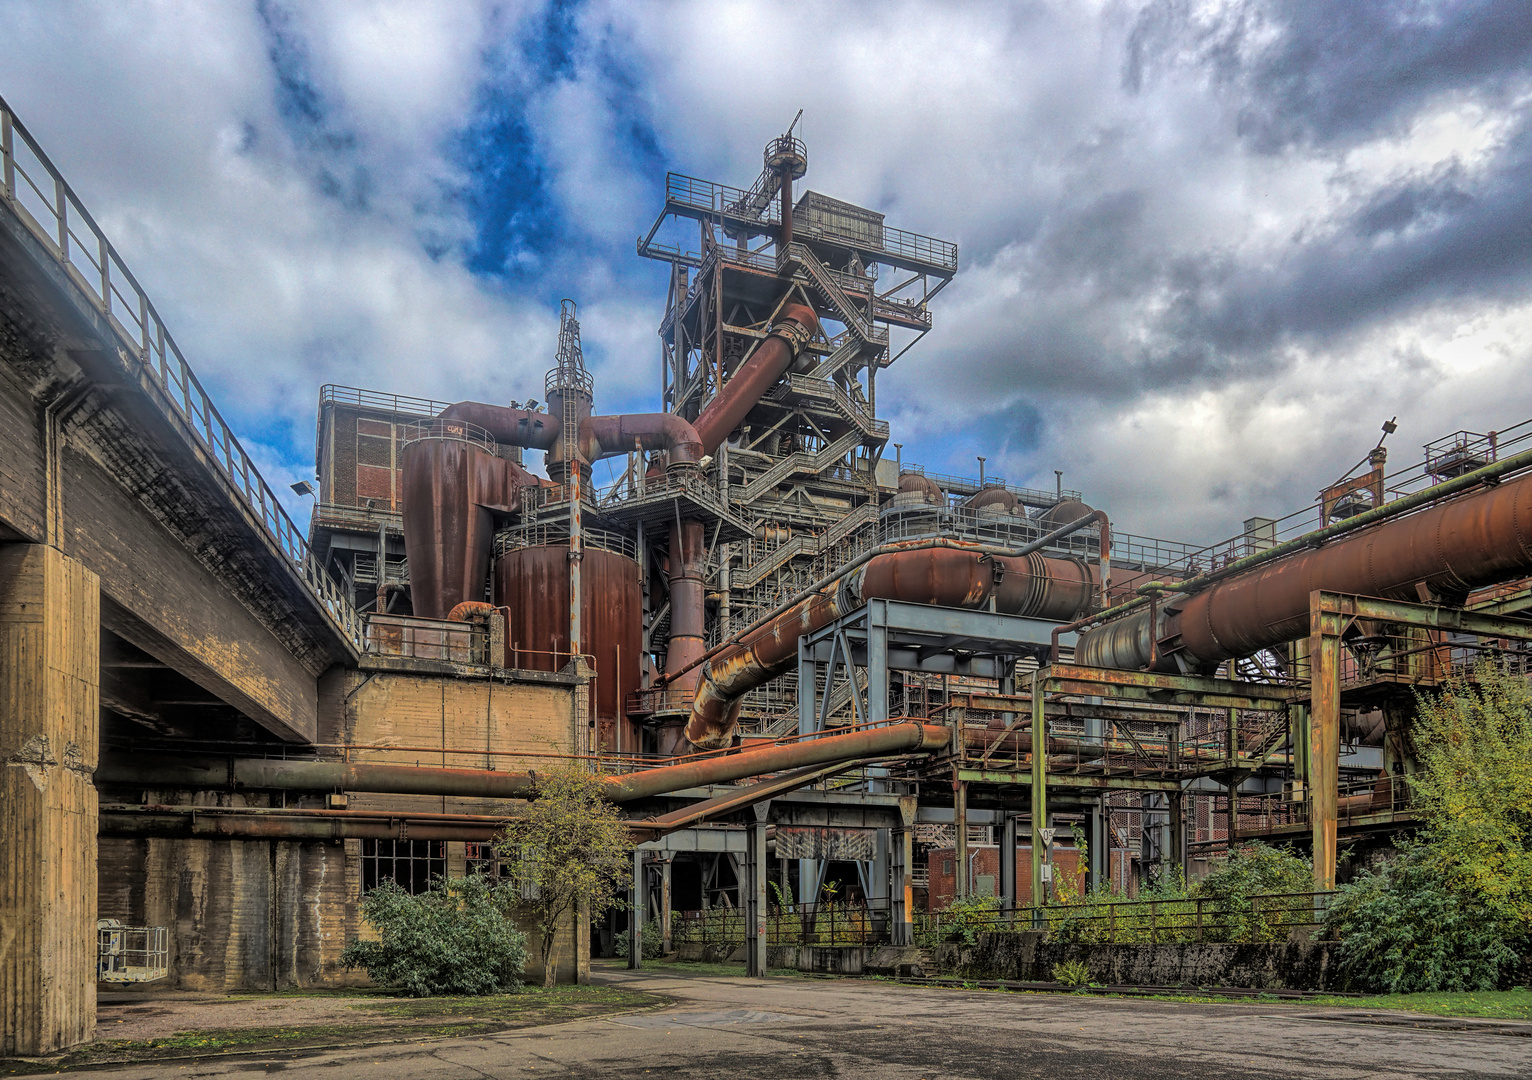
[1464,543]
[533,582]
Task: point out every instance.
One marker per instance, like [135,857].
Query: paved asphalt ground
[782,1027]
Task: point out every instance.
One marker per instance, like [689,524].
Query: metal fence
[830,923]
[1267,917]
[36,192]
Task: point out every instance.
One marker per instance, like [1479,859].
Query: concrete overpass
[145,567]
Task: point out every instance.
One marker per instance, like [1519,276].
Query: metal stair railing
[800,462]
[843,353]
[52,212]
[826,285]
[810,386]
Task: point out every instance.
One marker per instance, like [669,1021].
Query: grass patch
[386,1020]
[1489,1004]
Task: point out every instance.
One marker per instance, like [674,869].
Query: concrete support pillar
[636,912]
[753,890]
[1324,737]
[50,663]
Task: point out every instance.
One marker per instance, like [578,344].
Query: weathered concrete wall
[50,637]
[266,915]
[1302,965]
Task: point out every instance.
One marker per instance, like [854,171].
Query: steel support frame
[753,890]
[1330,614]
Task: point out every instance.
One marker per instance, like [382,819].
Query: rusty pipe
[687,595]
[771,359]
[605,436]
[514,427]
[946,575]
[267,774]
[1026,549]
[262,823]
[939,572]
[1458,545]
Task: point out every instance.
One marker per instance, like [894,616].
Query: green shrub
[456,938]
[653,938]
[963,921]
[1404,930]
[1075,973]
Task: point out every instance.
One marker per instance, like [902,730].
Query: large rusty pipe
[1457,545]
[267,774]
[687,594]
[902,738]
[770,361]
[609,435]
[939,572]
[513,427]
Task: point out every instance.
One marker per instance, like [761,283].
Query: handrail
[138,327]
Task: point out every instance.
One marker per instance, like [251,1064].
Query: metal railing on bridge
[34,189]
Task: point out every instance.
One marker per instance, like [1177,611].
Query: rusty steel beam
[1430,616]
[1324,737]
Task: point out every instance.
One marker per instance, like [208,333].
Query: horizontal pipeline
[267,774]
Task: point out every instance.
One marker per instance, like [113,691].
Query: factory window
[483,859]
[946,866]
[411,864]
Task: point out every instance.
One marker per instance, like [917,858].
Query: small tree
[457,938]
[1473,789]
[571,853]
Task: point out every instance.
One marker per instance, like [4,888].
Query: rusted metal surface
[604,436]
[1468,542]
[687,596]
[255,823]
[276,775]
[768,364]
[453,491]
[939,572]
[928,489]
[532,582]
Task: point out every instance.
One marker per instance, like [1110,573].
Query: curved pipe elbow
[664,432]
[514,427]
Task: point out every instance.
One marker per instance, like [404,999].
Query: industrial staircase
[822,280]
[813,388]
[798,463]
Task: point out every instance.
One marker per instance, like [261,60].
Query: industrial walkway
[787,1027]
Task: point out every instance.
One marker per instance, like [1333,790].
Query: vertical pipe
[1324,737]
[755,893]
[1039,786]
[960,834]
[636,913]
[786,196]
[1008,867]
[1178,832]
[666,945]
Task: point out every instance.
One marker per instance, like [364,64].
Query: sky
[1205,249]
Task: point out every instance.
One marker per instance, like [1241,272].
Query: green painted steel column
[1039,786]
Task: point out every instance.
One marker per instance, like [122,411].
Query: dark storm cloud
[1333,73]
[1110,305]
